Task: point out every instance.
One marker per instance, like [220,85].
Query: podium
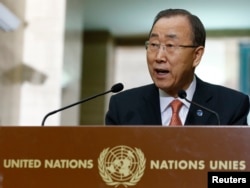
[125,156]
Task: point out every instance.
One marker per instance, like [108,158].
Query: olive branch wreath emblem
[134,179]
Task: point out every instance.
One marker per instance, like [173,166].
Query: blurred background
[56,52]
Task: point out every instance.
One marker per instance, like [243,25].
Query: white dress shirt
[165,100]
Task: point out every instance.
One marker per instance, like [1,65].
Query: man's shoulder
[219,89]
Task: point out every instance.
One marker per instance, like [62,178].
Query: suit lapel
[203,96]
[150,110]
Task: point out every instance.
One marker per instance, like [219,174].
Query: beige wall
[31,60]
[11,45]
[40,62]
[71,78]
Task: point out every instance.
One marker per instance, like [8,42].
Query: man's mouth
[161,71]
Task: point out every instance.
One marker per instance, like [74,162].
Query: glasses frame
[166,47]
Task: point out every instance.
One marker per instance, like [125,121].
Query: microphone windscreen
[117,88]
[182,94]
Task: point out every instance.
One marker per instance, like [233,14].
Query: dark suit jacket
[141,106]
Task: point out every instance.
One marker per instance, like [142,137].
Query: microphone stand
[76,103]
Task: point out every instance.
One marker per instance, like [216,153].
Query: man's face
[172,67]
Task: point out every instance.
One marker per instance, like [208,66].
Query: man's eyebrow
[171,36]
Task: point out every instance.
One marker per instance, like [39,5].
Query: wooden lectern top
[109,157]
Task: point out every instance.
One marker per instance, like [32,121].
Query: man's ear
[198,53]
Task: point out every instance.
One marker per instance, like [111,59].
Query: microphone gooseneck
[114,89]
[183,95]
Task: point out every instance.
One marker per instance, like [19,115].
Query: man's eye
[154,44]
[169,45]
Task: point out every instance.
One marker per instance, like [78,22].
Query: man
[174,49]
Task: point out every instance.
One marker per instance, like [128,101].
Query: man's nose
[161,53]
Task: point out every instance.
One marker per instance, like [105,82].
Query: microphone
[183,95]
[114,89]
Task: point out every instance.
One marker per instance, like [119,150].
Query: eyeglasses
[155,47]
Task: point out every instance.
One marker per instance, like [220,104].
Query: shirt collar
[166,99]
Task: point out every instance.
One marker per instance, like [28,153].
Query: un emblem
[121,165]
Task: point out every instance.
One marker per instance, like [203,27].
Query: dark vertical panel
[245,67]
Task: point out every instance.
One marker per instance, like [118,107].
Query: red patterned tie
[175,119]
